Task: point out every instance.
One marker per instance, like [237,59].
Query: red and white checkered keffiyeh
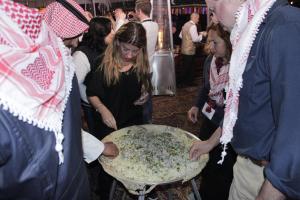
[218,82]
[63,22]
[35,71]
[248,19]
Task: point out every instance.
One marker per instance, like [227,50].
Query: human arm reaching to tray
[202,147]
[93,148]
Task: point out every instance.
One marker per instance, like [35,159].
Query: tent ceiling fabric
[100,1]
[42,3]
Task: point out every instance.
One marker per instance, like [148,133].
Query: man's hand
[193,114]
[110,150]
[269,192]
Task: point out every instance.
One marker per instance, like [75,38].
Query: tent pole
[94,7]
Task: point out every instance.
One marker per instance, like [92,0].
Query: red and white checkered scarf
[63,22]
[36,71]
[248,19]
[218,81]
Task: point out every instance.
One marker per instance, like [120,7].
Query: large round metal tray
[202,161]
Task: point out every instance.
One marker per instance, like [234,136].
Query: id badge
[210,114]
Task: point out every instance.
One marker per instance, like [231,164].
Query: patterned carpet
[172,110]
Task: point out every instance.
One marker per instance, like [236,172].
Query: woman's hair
[130,33]
[224,35]
[99,28]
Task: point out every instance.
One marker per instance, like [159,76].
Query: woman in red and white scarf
[216,179]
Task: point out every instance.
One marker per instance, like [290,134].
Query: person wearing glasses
[121,74]
[116,86]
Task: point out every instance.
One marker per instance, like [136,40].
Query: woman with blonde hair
[117,84]
[115,88]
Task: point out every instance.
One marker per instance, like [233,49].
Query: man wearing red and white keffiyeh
[40,141]
[69,21]
[261,116]
[40,150]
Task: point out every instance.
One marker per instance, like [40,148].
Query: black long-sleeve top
[118,98]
